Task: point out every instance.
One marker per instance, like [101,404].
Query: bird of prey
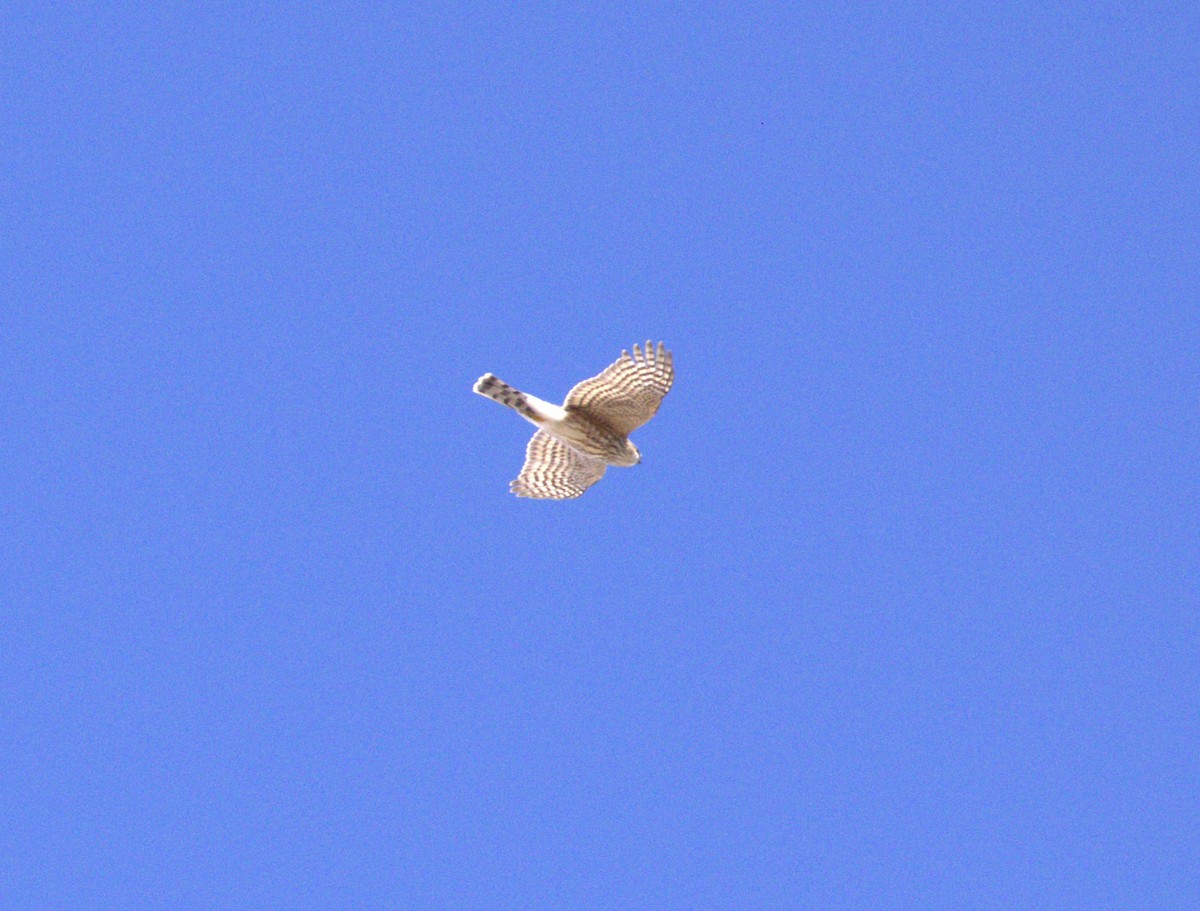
[576,441]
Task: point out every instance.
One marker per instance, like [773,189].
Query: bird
[576,442]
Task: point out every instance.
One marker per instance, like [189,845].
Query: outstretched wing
[627,394]
[555,471]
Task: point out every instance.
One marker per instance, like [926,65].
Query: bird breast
[593,439]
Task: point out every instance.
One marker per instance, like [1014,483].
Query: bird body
[576,441]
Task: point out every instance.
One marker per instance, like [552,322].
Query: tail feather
[497,390]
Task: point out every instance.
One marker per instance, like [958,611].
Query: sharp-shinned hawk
[576,441]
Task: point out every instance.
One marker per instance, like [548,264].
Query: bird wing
[555,471]
[627,394]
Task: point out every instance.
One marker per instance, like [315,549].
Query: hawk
[576,441]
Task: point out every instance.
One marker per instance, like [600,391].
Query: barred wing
[627,394]
[555,471]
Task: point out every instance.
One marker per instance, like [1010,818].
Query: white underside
[545,410]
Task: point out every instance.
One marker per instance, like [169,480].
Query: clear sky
[899,611]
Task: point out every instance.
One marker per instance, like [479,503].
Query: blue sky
[900,610]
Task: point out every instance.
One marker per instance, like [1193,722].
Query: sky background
[899,611]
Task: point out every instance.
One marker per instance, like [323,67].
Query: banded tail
[497,390]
